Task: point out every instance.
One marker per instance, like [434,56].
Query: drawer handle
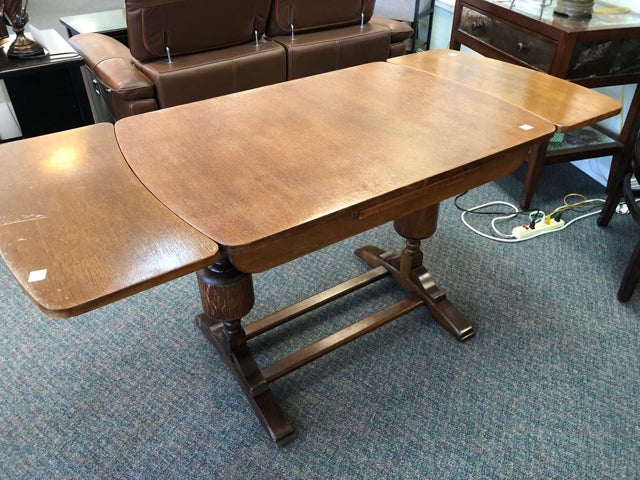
[522,47]
[477,25]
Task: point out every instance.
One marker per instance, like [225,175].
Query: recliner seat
[323,36]
[182,51]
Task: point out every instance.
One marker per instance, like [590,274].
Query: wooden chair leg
[631,276]
[627,137]
[632,272]
[614,194]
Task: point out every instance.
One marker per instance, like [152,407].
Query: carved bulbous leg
[227,296]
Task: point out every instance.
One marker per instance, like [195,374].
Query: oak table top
[79,231]
[567,105]
[278,172]
[274,173]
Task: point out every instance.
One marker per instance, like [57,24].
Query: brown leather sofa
[182,51]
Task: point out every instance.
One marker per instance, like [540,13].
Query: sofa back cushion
[188,26]
[310,15]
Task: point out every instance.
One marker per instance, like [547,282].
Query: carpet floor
[549,388]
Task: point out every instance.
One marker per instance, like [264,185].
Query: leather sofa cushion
[400,31]
[122,109]
[327,50]
[397,49]
[190,26]
[309,15]
[204,75]
[95,48]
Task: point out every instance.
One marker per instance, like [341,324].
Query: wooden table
[593,52]
[567,105]
[320,160]
[268,175]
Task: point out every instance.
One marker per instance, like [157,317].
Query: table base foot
[242,363]
[227,296]
[420,282]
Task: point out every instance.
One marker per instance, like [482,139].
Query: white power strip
[541,227]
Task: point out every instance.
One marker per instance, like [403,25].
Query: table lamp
[574,8]
[16,16]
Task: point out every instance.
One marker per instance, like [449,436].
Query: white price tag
[37,275]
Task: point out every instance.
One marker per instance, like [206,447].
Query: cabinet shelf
[587,142]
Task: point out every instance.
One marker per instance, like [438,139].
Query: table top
[79,231]
[58,52]
[273,173]
[542,11]
[567,105]
[102,22]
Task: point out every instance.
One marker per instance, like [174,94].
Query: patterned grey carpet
[549,388]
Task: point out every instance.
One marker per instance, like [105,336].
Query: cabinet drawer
[602,58]
[522,45]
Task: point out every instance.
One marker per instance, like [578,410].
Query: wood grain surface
[77,228]
[567,105]
[277,172]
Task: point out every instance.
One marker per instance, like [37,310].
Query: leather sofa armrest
[113,65]
[124,87]
[400,31]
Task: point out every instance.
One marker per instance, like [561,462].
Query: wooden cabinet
[522,45]
[601,50]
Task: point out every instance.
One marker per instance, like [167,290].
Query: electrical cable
[457,205]
[613,10]
[535,216]
[573,206]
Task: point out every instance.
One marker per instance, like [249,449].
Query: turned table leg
[408,271]
[227,296]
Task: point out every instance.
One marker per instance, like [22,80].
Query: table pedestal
[227,296]
[407,269]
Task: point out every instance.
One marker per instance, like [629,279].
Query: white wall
[396,9]
[442,23]
[8,124]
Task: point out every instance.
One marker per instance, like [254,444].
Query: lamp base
[23,46]
[574,8]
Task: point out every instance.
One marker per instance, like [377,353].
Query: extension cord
[541,227]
